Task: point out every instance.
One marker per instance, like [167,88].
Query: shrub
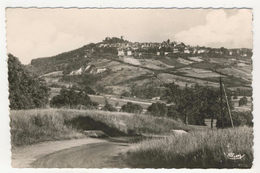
[70,98]
[126,94]
[243,101]
[55,85]
[109,107]
[132,108]
[239,119]
[89,90]
[158,109]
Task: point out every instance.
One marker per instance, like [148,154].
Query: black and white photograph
[130,88]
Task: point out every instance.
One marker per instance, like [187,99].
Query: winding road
[77,153]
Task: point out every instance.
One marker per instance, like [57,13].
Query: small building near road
[235,102]
[156,98]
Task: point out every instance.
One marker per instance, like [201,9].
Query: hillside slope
[101,68]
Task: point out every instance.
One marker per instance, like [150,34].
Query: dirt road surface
[98,155]
[77,153]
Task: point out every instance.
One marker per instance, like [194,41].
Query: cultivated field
[199,73]
[182,81]
[113,100]
[131,60]
[184,61]
[237,72]
[154,64]
[170,61]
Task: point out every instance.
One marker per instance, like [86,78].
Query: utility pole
[221,104]
[228,106]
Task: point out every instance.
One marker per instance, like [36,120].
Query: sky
[34,33]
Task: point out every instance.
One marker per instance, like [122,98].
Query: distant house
[186,50]
[241,65]
[100,70]
[195,51]
[166,53]
[76,72]
[175,50]
[118,108]
[201,51]
[180,47]
[218,52]
[158,53]
[121,53]
[156,98]
[235,102]
[129,52]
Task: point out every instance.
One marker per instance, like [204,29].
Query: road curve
[76,153]
[23,157]
[98,155]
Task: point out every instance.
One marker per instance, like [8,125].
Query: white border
[5,153]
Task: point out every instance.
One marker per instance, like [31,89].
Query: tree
[235,96]
[108,106]
[194,104]
[89,90]
[243,101]
[158,109]
[173,113]
[126,94]
[71,98]
[132,108]
[168,41]
[25,91]
[239,119]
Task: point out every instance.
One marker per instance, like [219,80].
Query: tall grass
[208,149]
[32,126]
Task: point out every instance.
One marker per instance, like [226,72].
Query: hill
[118,66]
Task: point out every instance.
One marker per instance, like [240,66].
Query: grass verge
[198,149]
[38,125]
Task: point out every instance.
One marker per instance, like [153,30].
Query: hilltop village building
[129,52]
[164,48]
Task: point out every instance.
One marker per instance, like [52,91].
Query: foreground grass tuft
[33,126]
[198,149]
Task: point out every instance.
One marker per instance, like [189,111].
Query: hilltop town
[168,47]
